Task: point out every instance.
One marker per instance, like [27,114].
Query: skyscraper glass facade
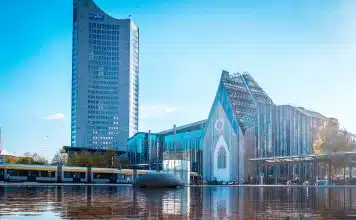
[105,77]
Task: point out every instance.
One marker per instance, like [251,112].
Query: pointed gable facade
[232,114]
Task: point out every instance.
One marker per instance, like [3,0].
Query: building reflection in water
[87,202]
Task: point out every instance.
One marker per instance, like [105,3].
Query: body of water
[125,202]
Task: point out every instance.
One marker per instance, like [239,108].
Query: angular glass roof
[245,96]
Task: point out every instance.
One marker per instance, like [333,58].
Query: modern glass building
[184,143]
[152,148]
[105,78]
[243,124]
[143,149]
[284,130]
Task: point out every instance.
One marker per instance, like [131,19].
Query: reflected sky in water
[113,202]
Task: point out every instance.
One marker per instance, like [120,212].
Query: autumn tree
[39,160]
[331,139]
[107,159]
[58,159]
[83,159]
[30,158]
[24,160]
[10,159]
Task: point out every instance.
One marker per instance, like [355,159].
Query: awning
[306,158]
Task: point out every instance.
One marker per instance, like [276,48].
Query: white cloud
[169,110]
[57,116]
[156,110]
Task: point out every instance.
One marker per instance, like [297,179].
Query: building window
[222,158]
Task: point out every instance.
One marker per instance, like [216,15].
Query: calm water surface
[125,202]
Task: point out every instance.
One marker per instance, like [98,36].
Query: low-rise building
[146,149]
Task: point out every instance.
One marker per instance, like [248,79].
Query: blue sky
[301,52]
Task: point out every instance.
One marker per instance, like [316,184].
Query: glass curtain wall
[286,131]
[187,142]
[140,146]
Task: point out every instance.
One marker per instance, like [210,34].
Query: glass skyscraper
[105,78]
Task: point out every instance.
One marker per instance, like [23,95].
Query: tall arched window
[221,158]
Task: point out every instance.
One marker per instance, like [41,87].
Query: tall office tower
[105,78]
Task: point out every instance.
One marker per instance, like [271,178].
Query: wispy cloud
[170,109]
[155,110]
[57,116]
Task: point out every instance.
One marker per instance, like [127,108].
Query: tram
[31,173]
[67,174]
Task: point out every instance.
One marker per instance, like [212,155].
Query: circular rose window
[219,125]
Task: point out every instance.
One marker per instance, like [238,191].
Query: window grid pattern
[103,86]
[74,78]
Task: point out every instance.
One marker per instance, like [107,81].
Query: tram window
[18,172]
[68,174]
[103,175]
[47,173]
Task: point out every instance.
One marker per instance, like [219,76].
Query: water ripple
[125,202]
